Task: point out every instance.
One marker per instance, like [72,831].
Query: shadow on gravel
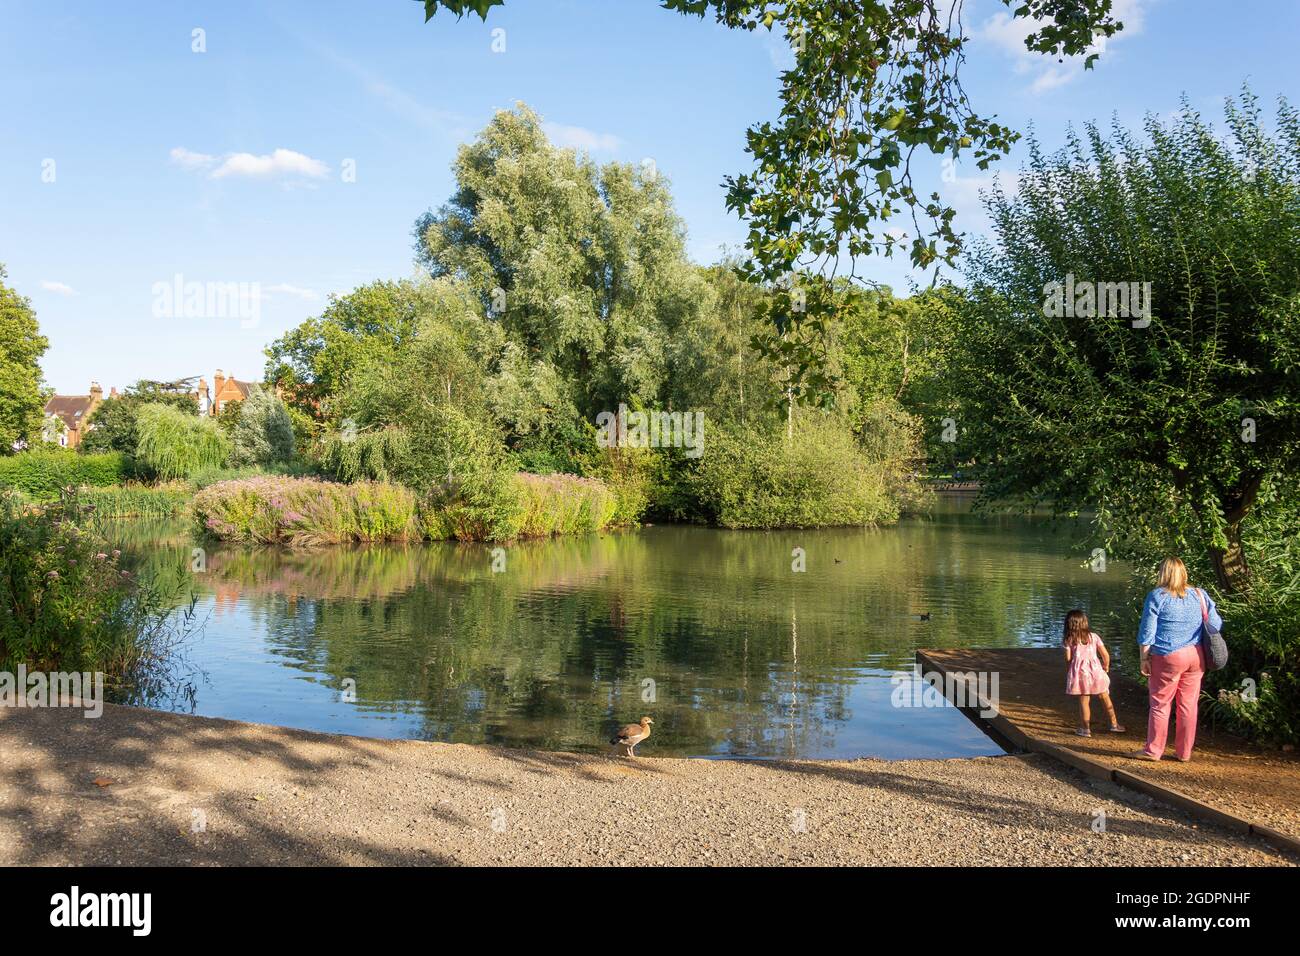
[1003,810]
[152,803]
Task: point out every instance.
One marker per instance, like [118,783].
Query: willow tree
[582,266]
[1170,416]
[875,83]
[174,445]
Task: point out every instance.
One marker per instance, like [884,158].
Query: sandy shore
[140,787]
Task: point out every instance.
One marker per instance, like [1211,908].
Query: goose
[631,735]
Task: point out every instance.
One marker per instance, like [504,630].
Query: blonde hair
[1172,576]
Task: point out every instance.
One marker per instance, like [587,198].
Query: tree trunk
[1230,566]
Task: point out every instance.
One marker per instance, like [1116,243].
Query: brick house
[213,400]
[66,416]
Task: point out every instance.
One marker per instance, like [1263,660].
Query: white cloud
[578,137]
[59,288]
[1008,34]
[282,163]
[192,160]
[283,288]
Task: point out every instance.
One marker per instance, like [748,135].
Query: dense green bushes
[751,478]
[1258,694]
[67,605]
[636,476]
[43,473]
[563,504]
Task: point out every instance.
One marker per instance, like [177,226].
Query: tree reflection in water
[747,657]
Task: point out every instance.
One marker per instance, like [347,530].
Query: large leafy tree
[713,364]
[583,267]
[21,347]
[875,82]
[1171,424]
[311,362]
[403,412]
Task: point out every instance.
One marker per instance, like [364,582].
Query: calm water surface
[747,657]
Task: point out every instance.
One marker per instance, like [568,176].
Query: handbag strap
[1205,613]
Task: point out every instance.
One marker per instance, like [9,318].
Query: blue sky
[228,165]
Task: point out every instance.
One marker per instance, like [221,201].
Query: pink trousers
[1174,677]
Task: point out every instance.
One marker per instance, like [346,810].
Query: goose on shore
[631,735]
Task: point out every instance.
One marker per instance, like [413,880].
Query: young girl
[1087,675]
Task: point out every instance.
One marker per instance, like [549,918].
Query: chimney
[216,382]
[96,393]
[112,392]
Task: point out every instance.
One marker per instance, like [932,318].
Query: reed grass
[304,511]
[137,501]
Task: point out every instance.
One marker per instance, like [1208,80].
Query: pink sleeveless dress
[1085,674]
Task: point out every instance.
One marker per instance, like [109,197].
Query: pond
[552,644]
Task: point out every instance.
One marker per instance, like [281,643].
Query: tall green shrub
[263,433]
[817,476]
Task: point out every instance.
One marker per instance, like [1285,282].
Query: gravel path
[1259,785]
[175,789]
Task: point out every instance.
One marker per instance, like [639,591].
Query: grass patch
[137,501]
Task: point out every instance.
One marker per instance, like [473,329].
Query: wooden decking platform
[1228,780]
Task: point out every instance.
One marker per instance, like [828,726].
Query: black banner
[330,906]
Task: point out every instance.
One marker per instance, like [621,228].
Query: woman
[1170,636]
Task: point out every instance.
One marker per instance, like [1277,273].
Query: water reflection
[742,655]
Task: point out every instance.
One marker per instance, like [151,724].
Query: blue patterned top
[1170,624]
